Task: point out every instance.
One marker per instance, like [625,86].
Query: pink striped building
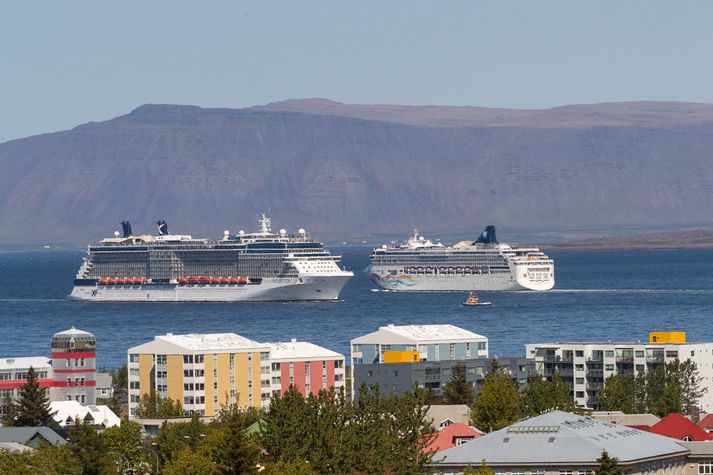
[305,365]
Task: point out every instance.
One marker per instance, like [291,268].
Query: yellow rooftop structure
[667,337]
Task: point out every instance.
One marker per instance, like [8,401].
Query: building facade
[310,368]
[69,375]
[585,366]
[398,378]
[208,371]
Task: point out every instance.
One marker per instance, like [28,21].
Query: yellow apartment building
[203,372]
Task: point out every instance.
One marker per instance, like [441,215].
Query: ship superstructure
[259,266]
[484,264]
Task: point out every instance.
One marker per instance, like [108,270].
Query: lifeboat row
[213,280]
[448,270]
[121,281]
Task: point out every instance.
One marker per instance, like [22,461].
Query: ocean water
[599,296]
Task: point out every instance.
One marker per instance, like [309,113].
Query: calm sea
[602,296]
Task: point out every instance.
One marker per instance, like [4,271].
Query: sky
[67,63]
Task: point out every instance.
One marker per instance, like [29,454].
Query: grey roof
[103,380]
[22,435]
[698,449]
[557,438]
[618,417]
[13,447]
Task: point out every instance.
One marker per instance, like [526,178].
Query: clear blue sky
[66,63]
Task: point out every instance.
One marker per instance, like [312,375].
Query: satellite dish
[116,233]
[283,231]
[384,246]
[241,232]
[226,233]
[301,231]
[420,238]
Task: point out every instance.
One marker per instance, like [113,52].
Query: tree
[543,395]
[152,405]
[8,411]
[173,438]
[126,440]
[608,465]
[498,404]
[618,394]
[45,458]
[229,447]
[483,469]
[90,449]
[458,390]
[685,375]
[33,406]
[296,467]
[190,462]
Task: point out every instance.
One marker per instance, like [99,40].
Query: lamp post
[155,453]
[125,460]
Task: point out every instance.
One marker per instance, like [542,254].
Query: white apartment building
[585,366]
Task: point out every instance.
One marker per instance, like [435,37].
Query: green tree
[498,404]
[483,469]
[543,395]
[685,375]
[126,439]
[45,458]
[33,406]
[190,462]
[90,450]
[618,394]
[151,406]
[608,465]
[173,438]
[8,411]
[458,390]
[296,467]
[231,449]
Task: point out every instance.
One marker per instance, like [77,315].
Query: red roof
[679,427]
[706,421]
[446,438]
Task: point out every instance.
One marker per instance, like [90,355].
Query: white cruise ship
[260,266]
[484,264]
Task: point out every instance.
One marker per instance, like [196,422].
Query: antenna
[265,223]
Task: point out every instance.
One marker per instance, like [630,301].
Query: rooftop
[199,342]
[23,435]
[423,333]
[73,332]
[447,438]
[66,412]
[300,350]
[679,427]
[24,363]
[561,437]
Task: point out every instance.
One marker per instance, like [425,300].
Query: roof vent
[551,439]
[294,340]
[506,440]
[390,325]
[10,360]
[169,334]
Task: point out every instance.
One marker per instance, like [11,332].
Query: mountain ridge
[368,170]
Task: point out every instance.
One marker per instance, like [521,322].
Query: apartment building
[585,366]
[202,371]
[207,371]
[309,367]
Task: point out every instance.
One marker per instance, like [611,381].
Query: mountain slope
[336,174]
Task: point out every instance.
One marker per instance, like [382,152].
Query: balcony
[654,359]
[625,359]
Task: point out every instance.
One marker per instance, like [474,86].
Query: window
[607,354]
[264,356]
[580,394]
[134,385]
[199,373]
[579,381]
[356,348]
[566,472]
[639,353]
[133,358]
[188,386]
[579,367]
[4,376]
[161,359]
[188,358]
[705,467]
[199,358]
[481,345]
[579,353]
[608,367]
[187,373]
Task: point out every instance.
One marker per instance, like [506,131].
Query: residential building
[68,413]
[69,374]
[207,371]
[700,458]
[310,368]
[453,435]
[443,415]
[415,343]
[680,427]
[105,386]
[203,371]
[585,366]
[566,444]
[706,423]
[398,378]
[30,436]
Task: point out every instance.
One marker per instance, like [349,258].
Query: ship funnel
[126,226]
[162,227]
[488,236]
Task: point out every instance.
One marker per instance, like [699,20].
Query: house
[706,423]
[680,427]
[564,443]
[631,420]
[451,436]
[68,413]
[443,415]
[30,436]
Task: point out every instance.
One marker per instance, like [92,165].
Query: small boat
[473,301]
[182,280]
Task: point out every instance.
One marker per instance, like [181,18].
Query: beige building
[203,372]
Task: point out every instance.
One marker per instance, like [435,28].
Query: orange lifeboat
[103,281]
[242,280]
[193,280]
[111,281]
[215,280]
[204,280]
[182,280]
[233,280]
[138,280]
[224,280]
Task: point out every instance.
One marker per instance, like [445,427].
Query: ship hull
[270,289]
[512,281]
